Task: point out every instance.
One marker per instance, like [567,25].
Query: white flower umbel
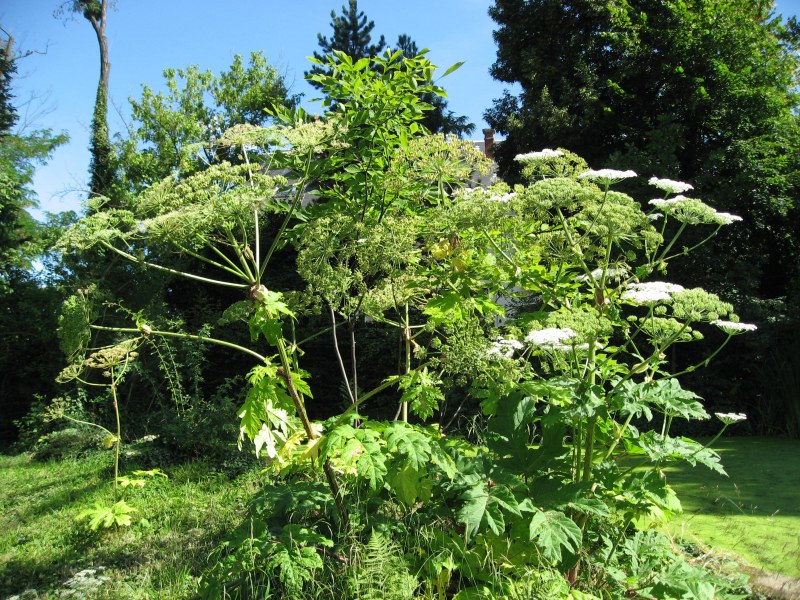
[692,211]
[503,348]
[670,186]
[570,348]
[731,418]
[667,203]
[650,292]
[540,155]
[728,218]
[549,338]
[607,176]
[732,328]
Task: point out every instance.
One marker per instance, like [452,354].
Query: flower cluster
[607,176]
[503,348]
[551,338]
[670,186]
[732,328]
[693,211]
[650,292]
[730,418]
[501,197]
[611,273]
[541,155]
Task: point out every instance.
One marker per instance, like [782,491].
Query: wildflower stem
[705,362]
[295,203]
[299,405]
[233,269]
[672,242]
[119,432]
[186,336]
[132,258]
[499,249]
[697,245]
[235,245]
[618,437]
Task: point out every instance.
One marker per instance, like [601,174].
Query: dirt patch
[777,587]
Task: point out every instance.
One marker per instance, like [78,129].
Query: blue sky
[147,36]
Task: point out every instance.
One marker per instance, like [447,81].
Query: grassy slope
[755,512]
[41,545]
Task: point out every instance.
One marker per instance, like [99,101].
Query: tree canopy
[352,34]
[198,106]
[28,345]
[704,91]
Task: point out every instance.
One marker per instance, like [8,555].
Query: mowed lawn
[754,512]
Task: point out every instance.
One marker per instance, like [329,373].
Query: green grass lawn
[177,524]
[755,512]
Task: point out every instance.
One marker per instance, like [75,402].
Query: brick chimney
[488,143]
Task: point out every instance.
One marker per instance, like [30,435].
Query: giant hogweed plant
[546,302]
[215,216]
[582,354]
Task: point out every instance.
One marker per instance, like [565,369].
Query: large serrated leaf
[483,504]
[553,532]
[472,513]
[410,443]
[410,485]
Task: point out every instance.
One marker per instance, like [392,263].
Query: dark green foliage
[28,302]
[71,442]
[8,115]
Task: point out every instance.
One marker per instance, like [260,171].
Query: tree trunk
[102,167]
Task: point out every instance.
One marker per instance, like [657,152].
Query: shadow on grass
[754,512]
[763,479]
[177,523]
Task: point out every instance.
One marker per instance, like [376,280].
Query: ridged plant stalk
[308,427]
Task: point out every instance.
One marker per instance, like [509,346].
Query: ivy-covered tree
[101,169]
[352,34]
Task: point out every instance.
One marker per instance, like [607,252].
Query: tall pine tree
[352,34]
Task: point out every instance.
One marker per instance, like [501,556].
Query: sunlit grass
[177,524]
[755,512]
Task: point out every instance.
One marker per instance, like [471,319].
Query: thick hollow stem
[119,432]
[339,359]
[300,407]
[407,331]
